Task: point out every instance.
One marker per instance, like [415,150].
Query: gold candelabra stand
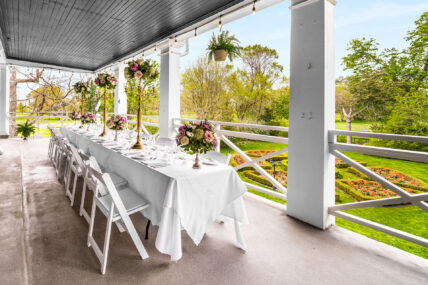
[138,144]
[104,133]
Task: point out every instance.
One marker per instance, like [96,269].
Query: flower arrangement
[75,116]
[142,70]
[105,80]
[87,118]
[197,137]
[82,87]
[117,122]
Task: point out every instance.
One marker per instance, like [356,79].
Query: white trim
[25,63]
[418,139]
[231,14]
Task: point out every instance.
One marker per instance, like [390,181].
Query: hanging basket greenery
[223,45]
[26,130]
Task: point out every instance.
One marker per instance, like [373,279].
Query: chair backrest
[107,182]
[218,156]
[92,163]
[77,157]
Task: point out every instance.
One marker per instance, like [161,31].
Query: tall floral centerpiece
[105,82]
[197,137]
[145,73]
[117,123]
[87,118]
[83,88]
[75,116]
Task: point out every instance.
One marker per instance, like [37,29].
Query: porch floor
[43,241]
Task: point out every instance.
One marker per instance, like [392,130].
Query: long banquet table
[180,197]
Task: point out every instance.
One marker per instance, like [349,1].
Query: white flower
[189,134]
[184,140]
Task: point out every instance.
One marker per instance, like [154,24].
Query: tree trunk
[348,128]
[341,117]
[12,102]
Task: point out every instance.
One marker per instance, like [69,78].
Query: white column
[120,98]
[169,107]
[4,100]
[310,166]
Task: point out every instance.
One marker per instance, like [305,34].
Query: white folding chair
[78,168]
[88,182]
[116,205]
[60,154]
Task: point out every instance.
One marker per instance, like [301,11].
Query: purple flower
[117,127]
[206,127]
[181,128]
[134,67]
[97,81]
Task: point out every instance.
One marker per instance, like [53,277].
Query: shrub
[358,173]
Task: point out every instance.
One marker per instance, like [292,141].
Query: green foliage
[91,100]
[26,129]
[224,41]
[390,86]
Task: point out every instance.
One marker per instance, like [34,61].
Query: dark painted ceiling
[89,34]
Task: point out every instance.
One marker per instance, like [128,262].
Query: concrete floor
[43,241]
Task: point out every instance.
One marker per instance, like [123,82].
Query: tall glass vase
[104,133]
[138,144]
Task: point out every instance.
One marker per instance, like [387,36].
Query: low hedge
[338,175]
[358,173]
[253,175]
[342,164]
[352,192]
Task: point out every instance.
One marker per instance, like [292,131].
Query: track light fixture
[254,8]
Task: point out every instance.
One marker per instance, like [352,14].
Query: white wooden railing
[39,120]
[224,136]
[403,197]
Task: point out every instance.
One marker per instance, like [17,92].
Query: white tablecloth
[180,197]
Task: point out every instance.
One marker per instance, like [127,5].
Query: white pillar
[310,166]
[4,100]
[169,107]
[120,98]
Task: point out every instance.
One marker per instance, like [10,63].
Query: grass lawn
[410,219]
[357,126]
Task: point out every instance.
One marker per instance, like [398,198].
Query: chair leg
[106,243]
[134,236]
[91,224]
[82,202]
[74,189]
[147,230]
[67,187]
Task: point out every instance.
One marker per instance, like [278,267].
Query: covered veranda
[44,240]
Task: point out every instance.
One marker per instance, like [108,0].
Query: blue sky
[385,20]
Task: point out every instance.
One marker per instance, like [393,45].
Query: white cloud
[380,10]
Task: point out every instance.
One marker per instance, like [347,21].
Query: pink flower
[103,81]
[117,127]
[97,81]
[134,67]
[206,127]
[209,137]
[181,128]
[138,74]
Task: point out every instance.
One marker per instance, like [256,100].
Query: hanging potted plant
[223,45]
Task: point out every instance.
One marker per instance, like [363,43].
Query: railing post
[4,100]
[217,129]
[120,98]
[310,165]
[169,106]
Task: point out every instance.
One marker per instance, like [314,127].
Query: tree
[258,76]
[381,81]
[12,94]
[205,89]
